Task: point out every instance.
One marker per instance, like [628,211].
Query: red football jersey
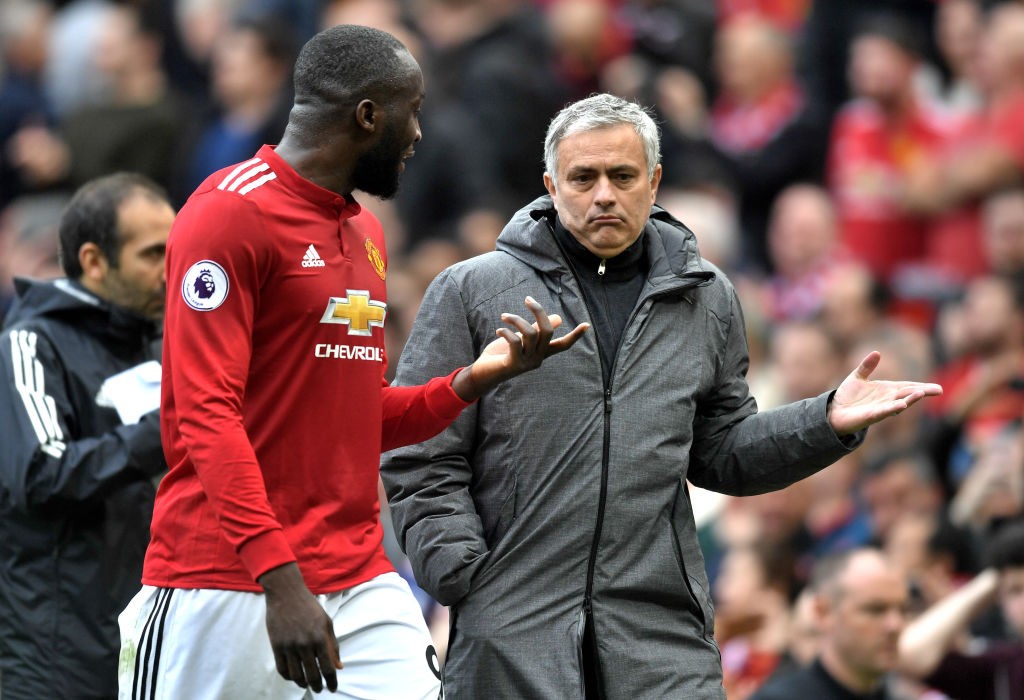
[275,408]
[867,163]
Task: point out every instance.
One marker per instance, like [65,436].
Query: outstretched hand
[860,401]
[515,351]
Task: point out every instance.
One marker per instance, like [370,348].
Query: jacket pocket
[699,596]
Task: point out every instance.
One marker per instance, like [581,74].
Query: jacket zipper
[692,279]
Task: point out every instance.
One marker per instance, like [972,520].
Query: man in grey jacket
[559,529]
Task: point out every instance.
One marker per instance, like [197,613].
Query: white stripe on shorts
[208,644]
[147,657]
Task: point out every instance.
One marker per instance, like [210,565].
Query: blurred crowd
[855,166]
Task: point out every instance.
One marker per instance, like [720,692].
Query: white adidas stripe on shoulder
[247,175]
[257,183]
[241,178]
[234,173]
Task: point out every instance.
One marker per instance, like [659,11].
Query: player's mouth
[405,156]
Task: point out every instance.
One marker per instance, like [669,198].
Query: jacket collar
[671,247]
[68,300]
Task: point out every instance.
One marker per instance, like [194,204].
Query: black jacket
[76,490]
[813,682]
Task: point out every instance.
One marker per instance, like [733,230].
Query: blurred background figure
[988,153]
[877,139]
[492,58]
[860,599]
[984,380]
[762,123]
[752,594]
[28,242]
[251,96]
[1003,230]
[803,245]
[24,36]
[71,81]
[937,646]
[957,29]
[135,126]
[828,33]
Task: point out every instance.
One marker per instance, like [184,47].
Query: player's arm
[412,414]
[210,349]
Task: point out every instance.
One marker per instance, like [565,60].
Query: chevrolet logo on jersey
[358,311]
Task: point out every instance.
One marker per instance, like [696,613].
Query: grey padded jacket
[555,497]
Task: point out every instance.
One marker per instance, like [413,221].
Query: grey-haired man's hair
[601,112]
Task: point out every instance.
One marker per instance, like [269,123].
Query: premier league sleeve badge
[205,286]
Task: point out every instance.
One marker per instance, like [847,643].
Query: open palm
[860,401]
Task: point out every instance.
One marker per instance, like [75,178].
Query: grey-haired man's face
[601,191]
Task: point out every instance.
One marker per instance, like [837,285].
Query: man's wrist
[282,581]
[466,386]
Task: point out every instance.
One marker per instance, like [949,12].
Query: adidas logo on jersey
[312,258]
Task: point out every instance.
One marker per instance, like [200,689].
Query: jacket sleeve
[43,455]
[428,485]
[737,450]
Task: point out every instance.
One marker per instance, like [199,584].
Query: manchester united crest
[375,258]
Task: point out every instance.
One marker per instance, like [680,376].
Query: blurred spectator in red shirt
[786,14]
[990,153]
[585,36]
[876,140]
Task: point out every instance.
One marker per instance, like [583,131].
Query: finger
[281,661]
[542,329]
[514,340]
[921,390]
[913,398]
[868,364]
[295,672]
[312,671]
[543,322]
[554,319]
[328,658]
[530,334]
[567,340]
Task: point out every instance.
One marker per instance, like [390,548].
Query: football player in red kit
[275,408]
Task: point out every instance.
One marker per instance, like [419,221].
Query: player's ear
[367,113]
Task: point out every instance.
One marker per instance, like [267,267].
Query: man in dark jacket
[79,454]
[560,530]
[861,600]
